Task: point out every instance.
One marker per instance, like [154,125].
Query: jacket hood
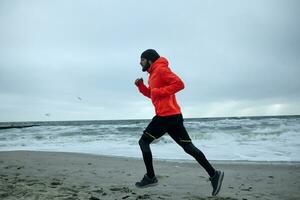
[160,62]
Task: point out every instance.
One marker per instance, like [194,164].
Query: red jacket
[163,84]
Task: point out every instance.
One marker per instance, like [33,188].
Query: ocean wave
[260,138]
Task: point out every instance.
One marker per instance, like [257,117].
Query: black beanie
[150,54]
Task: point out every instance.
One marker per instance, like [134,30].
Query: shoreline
[59,175]
[251,162]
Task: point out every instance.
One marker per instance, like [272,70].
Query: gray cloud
[235,57]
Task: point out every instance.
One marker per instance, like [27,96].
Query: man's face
[145,64]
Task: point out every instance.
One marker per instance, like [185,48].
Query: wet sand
[51,175]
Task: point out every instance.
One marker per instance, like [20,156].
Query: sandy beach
[52,175]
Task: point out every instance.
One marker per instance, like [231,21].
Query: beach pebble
[145,196]
[56,183]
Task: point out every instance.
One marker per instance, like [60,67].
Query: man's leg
[144,143]
[216,177]
[200,157]
[153,131]
[178,132]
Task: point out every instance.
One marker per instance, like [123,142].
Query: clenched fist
[139,81]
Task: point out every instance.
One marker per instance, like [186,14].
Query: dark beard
[146,67]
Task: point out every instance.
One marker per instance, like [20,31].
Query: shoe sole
[219,184]
[149,185]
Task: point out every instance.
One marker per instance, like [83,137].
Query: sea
[268,138]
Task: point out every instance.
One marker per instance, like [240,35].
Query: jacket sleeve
[173,84]
[144,90]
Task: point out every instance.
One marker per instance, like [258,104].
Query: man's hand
[139,81]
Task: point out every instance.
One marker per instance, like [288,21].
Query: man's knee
[144,144]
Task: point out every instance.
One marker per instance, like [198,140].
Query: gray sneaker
[216,182]
[146,182]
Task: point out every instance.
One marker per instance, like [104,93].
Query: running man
[163,84]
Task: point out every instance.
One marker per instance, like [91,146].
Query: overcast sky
[78,59]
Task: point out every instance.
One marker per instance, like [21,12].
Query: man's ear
[150,62]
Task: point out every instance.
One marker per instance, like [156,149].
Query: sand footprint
[120,189]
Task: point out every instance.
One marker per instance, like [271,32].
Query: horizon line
[74,120]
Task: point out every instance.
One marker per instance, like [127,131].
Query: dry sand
[51,175]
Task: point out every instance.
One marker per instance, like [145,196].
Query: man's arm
[142,88]
[174,84]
